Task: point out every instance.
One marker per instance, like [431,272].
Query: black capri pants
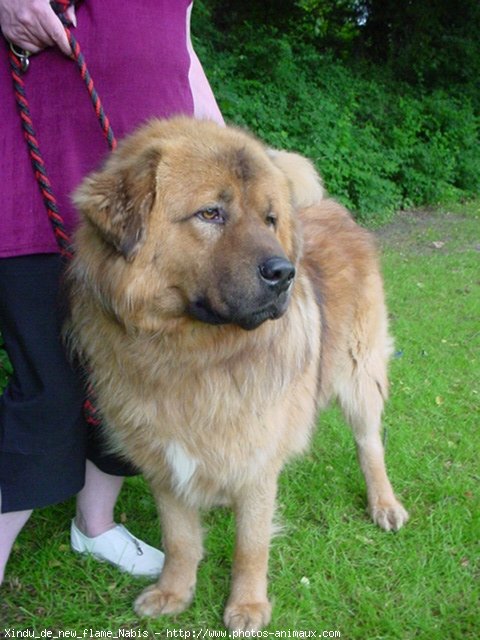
[44,438]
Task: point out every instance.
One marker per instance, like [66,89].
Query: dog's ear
[118,199]
[305,183]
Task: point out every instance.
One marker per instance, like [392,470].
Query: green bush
[5,366]
[380,144]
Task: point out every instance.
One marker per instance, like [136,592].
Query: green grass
[331,569]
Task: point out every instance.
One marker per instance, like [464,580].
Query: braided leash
[60,7]
[19,65]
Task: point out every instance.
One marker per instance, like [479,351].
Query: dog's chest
[181,464]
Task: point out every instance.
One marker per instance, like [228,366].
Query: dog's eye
[212,214]
[271,220]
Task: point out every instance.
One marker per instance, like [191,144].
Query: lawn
[331,569]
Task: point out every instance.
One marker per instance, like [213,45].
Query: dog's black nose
[278,273]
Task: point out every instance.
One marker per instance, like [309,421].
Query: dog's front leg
[248,608]
[182,541]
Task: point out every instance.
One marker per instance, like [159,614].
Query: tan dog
[218,312]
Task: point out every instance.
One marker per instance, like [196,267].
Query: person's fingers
[34,28]
[23,36]
[27,43]
[55,31]
[70,15]
[59,37]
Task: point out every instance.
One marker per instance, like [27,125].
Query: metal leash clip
[22,55]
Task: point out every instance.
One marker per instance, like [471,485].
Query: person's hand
[33,25]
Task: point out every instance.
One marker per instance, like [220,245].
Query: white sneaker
[117,546]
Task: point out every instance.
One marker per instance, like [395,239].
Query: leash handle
[19,61]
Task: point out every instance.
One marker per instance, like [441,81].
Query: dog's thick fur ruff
[219,301]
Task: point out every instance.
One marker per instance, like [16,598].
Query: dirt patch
[425,232]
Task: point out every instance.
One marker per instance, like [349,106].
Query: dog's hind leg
[248,608]
[182,541]
[361,396]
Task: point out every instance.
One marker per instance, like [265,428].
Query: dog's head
[190,219]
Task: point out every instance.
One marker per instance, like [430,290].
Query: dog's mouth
[201,309]
[257,318]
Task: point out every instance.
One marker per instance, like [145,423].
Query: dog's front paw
[247,617]
[390,516]
[155,601]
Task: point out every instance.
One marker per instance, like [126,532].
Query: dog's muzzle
[266,297]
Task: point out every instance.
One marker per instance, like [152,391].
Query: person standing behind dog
[141,58]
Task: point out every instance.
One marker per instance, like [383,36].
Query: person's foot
[117,546]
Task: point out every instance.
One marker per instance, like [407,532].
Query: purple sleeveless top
[140,57]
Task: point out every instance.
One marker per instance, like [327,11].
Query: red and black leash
[19,66]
